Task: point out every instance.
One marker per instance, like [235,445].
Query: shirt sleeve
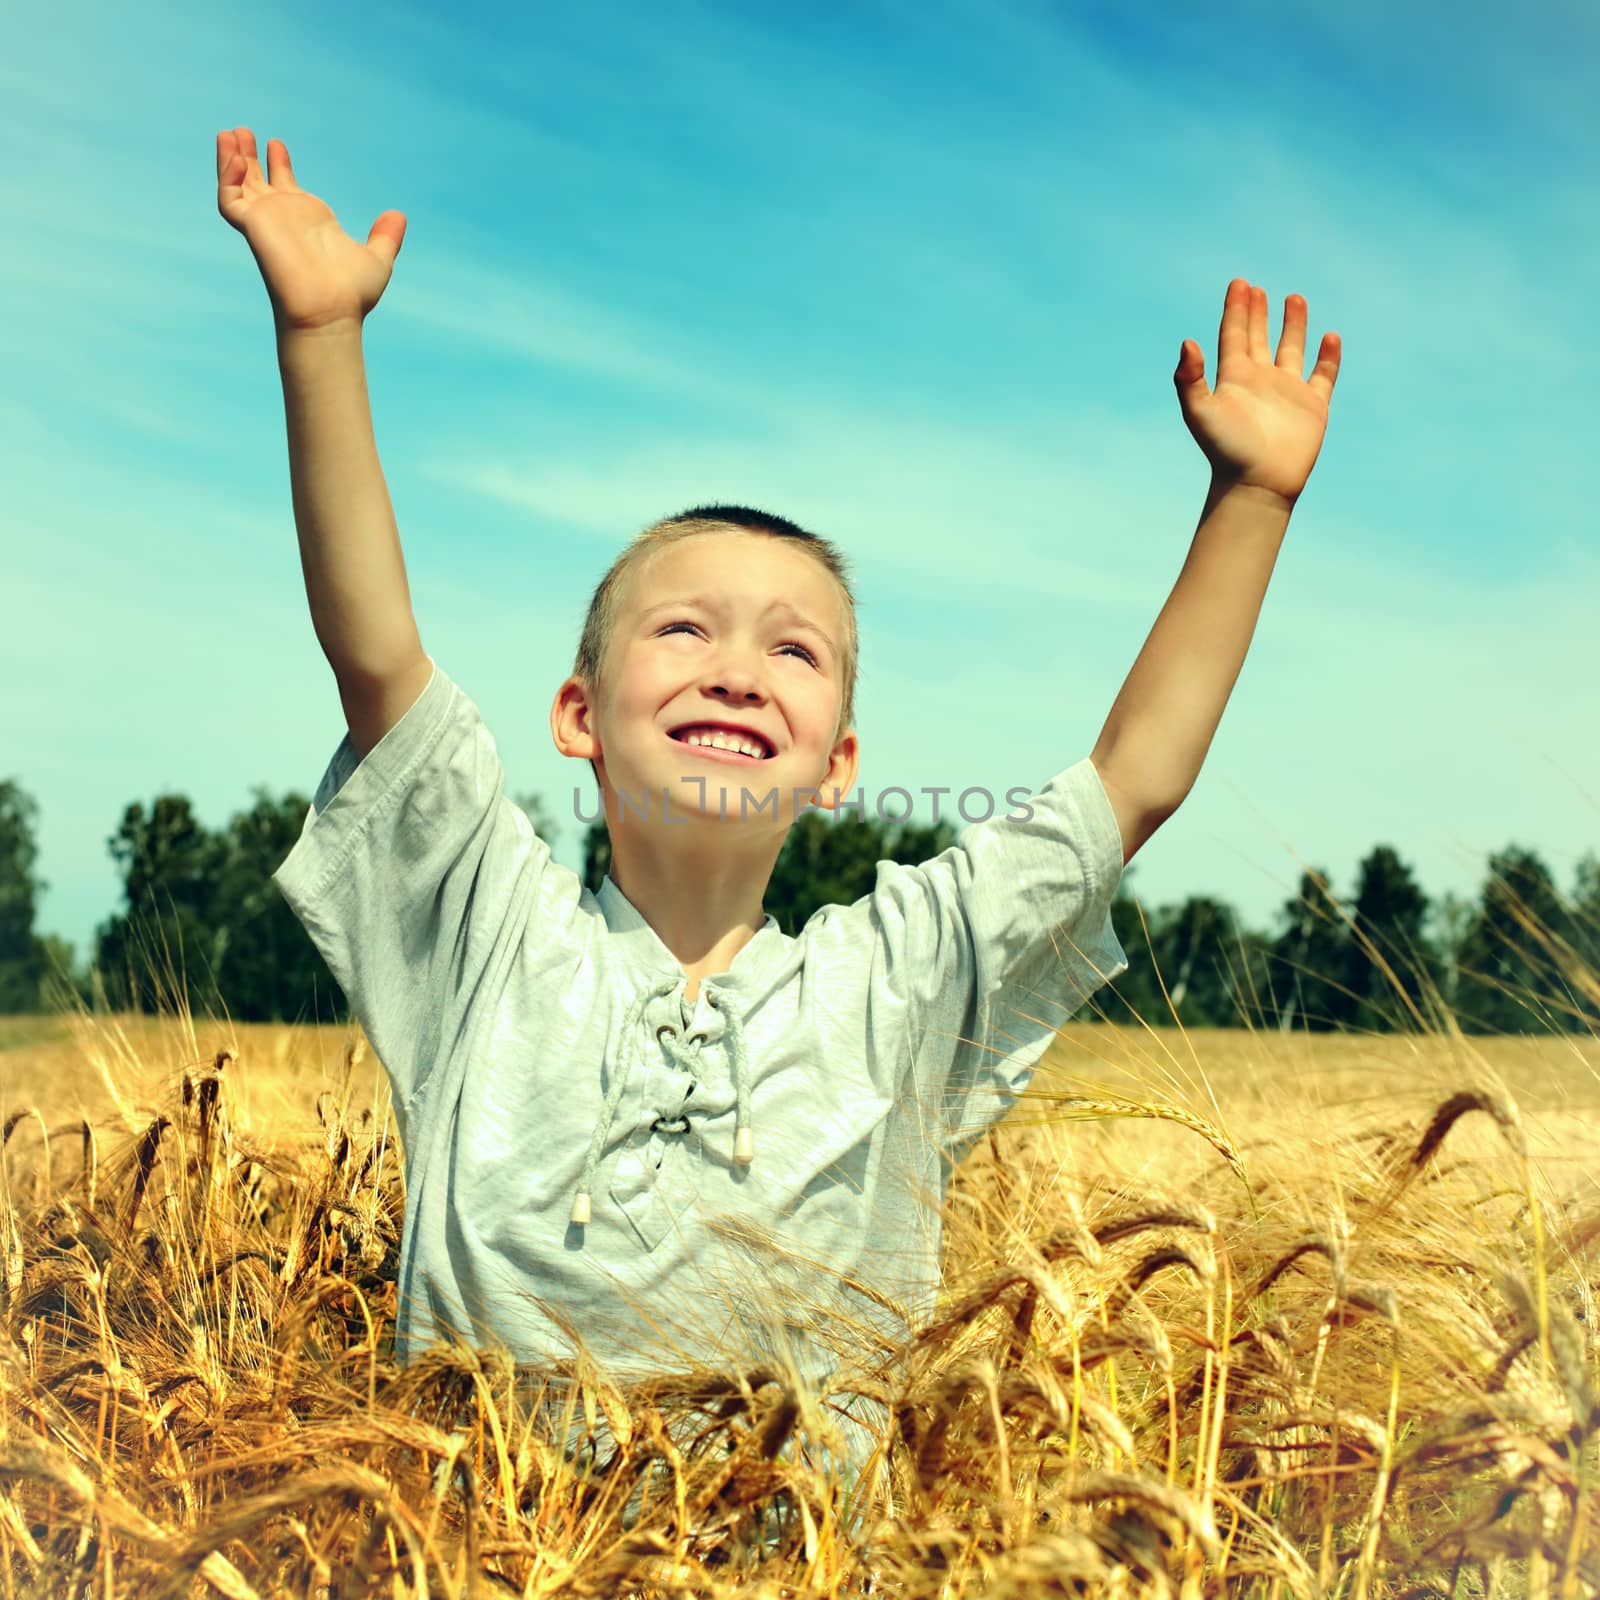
[994,944]
[415,877]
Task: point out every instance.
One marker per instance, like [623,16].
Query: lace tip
[580,1210]
[744,1147]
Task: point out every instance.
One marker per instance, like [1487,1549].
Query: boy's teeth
[724,741]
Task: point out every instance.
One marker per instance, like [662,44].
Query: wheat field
[1230,1313]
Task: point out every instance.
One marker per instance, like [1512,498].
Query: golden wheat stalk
[1077,1106]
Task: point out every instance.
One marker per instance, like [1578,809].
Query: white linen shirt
[881,1042]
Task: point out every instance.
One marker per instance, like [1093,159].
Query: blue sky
[913,275]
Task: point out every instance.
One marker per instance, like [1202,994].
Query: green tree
[64,981]
[1511,975]
[596,854]
[1311,960]
[162,949]
[833,861]
[267,968]
[1586,937]
[23,961]
[1200,950]
[1135,996]
[1391,914]
[203,925]
[1452,919]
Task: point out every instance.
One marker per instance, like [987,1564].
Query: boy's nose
[739,682]
[737,690]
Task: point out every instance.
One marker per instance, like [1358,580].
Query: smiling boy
[645,1119]
[776,626]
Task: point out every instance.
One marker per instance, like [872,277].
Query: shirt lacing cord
[744,1149]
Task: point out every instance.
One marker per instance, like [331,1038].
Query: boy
[645,1118]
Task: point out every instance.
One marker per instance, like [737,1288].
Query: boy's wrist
[329,336]
[1241,489]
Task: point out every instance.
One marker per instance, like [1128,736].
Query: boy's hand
[1264,424]
[316,275]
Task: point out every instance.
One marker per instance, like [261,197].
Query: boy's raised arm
[349,545]
[1261,431]
[322,284]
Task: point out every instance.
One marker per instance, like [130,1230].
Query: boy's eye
[673,627]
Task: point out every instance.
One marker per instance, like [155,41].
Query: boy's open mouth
[734,744]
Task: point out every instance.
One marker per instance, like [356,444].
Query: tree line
[202,924]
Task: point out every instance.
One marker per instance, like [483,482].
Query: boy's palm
[1264,424]
[316,274]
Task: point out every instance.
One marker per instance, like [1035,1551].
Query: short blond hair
[606,603]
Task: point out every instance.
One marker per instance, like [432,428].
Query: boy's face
[729,628]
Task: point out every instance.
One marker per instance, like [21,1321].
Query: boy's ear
[571,721]
[843,763]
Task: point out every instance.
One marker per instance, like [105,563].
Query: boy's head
[718,614]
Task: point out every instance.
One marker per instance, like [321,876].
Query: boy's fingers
[245,140]
[1260,350]
[230,176]
[1292,341]
[385,238]
[1326,372]
[1190,376]
[1233,339]
[278,168]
